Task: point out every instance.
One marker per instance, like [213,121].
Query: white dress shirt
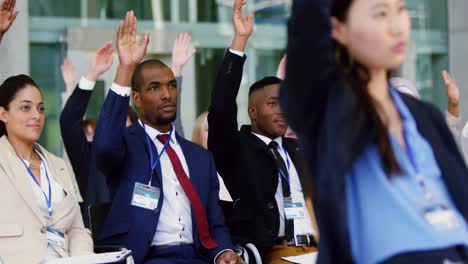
[175,220]
[58,194]
[301,225]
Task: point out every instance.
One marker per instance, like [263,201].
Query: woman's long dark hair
[8,91]
[358,78]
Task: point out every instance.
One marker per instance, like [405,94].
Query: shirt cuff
[86,84]
[238,53]
[221,252]
[451,119]
[121,90]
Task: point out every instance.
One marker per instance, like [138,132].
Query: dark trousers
[182,254]
[452,255]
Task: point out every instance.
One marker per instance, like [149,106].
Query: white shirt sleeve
[238,53]
[86,84]
[121,90]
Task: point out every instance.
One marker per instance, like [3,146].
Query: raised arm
[7,16]
[182,53]
[73,135]
[311,72]
[109,142]
[452,116]
[223,137]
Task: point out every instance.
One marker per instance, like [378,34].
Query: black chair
[97,216]
[248,251]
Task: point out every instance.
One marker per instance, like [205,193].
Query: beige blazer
[22,226]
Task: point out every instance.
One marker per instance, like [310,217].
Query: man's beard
[165,120]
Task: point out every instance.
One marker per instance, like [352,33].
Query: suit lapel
[19,176]
[58,173]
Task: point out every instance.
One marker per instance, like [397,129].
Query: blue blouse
[385,214]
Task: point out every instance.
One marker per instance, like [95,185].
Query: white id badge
[145,196]
[55,237]
[293,210]
[441,217]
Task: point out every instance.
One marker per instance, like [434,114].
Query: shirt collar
[405,114]
[267,140]
[153,133]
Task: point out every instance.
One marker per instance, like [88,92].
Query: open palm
[242,26]
[130,52]
[182,52]
[7,15]
[453,93]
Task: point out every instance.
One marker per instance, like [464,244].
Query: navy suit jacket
[123,156]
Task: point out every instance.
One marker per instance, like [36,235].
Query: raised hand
[243,26]
[453,94]
[7,16]
[130,52]
[281,72]
[101,61]
[68,75]
[181,53]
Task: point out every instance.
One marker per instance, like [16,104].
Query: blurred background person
[390,181]
[200,137]
[41,218]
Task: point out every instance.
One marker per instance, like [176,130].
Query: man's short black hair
[136,78]
[269,80]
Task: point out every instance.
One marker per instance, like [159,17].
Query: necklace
[34,165]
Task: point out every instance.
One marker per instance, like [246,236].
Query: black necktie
[288,224]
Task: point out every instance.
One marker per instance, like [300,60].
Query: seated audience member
[7,16]
[40,217]
[262,170]
[91,182]
[77,134]
[200,137]
[165,208]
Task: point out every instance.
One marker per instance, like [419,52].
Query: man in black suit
[262,170]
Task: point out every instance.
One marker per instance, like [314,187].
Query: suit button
[43,230]
[270,206]
[156,210]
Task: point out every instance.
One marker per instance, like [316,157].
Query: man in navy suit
[164,188]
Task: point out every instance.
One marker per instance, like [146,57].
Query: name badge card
[441,217]
[293,210]
[145,196]
[55,237]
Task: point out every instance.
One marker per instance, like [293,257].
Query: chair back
[97,215]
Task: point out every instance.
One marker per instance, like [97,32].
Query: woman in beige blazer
[40,218]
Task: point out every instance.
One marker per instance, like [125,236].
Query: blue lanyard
[47,199]
[286,177]
[155,163]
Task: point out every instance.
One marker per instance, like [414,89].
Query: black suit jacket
[92,183]
[321,108]
[245,162]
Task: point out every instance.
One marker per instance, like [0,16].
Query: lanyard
[283,174]
[153,164]
[47,199]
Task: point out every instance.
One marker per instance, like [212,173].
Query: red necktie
[199,210]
